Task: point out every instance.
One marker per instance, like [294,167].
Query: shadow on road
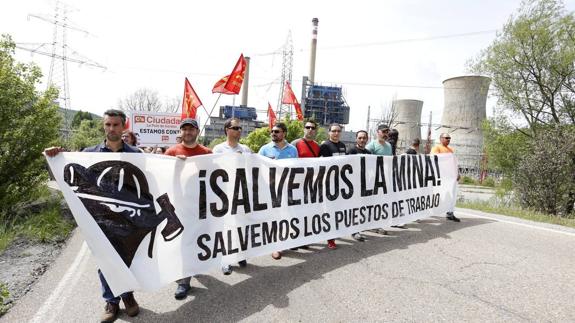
[270,285]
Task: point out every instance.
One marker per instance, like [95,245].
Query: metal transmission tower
[287,66]
[60,53]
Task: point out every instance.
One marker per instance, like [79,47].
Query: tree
[89,133]
[148,100]
[29,122]
[256,139]
[79,116]
[531,63]
[259,137]
[216,141]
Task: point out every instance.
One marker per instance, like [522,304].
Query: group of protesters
[119,140]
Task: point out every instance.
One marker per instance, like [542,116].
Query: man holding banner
[443,148]
[333,147]
[114,123]
[233,131]
[189,147]
[278,148]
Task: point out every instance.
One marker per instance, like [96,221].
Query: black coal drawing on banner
[116,195]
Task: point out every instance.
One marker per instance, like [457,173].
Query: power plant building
[326,105]
[248,120]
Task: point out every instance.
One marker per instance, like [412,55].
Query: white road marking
[72,274]
[519,223]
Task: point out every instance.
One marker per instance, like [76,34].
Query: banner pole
[210,114]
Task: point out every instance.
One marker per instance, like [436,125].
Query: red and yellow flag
[271,116]
[231,84]
[289,98]
[191,101]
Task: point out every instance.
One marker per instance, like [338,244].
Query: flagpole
[210,114]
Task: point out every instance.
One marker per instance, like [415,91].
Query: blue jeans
[107,292]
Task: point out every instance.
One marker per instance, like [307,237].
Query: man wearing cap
[233,131]
[443,148]
[114,123]
[278,148]
[189,147]
[361,138]
[382,148]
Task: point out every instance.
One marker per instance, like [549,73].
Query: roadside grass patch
[511,210]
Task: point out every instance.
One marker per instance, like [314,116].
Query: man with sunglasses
[307,146]
[443,148]
[333,147]
[233,132]
[278,148]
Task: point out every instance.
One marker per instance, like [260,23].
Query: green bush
[29,122]
[489,182]
[467,180]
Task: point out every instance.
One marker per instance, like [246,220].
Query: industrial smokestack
[246,83]
[314,22]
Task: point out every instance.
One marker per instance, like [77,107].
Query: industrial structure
[407,121]
[248,119]
[465,98]
[326,105]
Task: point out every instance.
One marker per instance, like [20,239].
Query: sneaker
[400,226]
[306,247]
[243,263]
[227,270]
[331,244]
[380,231]
[450,216]
[277,255]
[110,312]
[132,307]
[358,237]
[182,291]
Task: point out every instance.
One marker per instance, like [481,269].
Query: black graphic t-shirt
[358,151]
[330,148]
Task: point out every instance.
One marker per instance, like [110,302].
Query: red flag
[231,84]
[127,124]
[191,101]
[271,116]
[289,98]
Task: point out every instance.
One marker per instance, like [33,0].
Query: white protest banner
[151,219]
[153,128]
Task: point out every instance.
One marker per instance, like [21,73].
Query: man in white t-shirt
[233,132]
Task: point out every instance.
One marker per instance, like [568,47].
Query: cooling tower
[463,113]
[407,121]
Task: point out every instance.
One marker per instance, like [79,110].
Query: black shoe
[243,263]
[452,217]
[227,270]
[182,291]
[358,237]
[293,248]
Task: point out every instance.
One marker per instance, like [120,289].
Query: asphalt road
[486,268]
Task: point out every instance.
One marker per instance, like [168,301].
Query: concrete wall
[464,111]
[407,122]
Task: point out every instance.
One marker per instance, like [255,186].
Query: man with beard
[189,147]
[233,132]
[114,123]
[278,148]
[333,147]
[382,148]
[361,138]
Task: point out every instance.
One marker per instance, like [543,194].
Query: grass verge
[45,226]
[517,212]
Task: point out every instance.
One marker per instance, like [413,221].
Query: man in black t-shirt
[361,139]
[332,147]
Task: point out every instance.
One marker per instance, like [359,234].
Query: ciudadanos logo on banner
[116,194]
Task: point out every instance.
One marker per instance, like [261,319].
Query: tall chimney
[246,84]
[314,22]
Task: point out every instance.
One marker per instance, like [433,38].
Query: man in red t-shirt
[188,147]
[306,146]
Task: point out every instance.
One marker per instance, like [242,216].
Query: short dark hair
[360,131]
[116,113]
[280,125]
[335,124]
[228,124]
[416,142]
[311,121]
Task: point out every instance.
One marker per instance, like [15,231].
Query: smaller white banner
[154,128]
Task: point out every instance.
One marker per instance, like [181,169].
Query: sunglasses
[277,131]
[310,127]
[235,128]
[447,138]
[335,130]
